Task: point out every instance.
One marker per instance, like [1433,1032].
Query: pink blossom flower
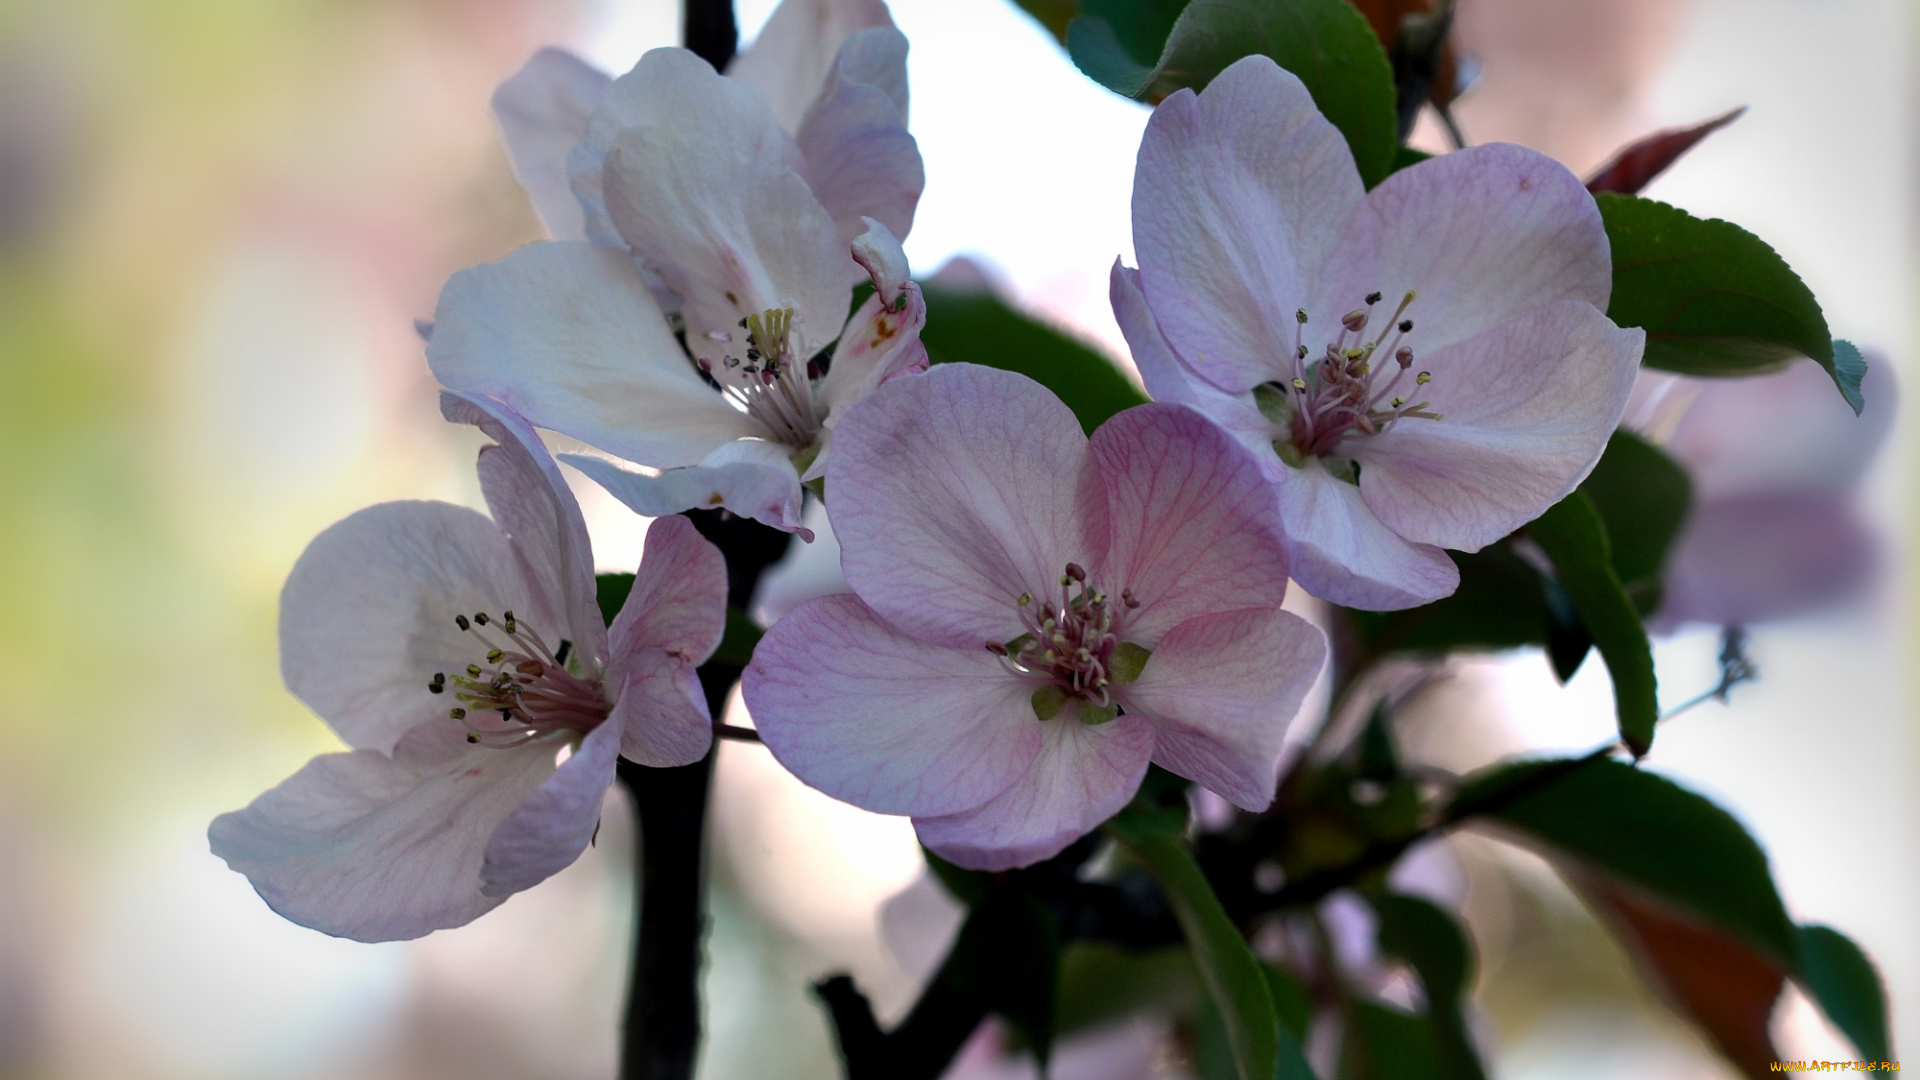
[1034,617]
[1423,366]
[691,189]
[465,661]
[1775,462]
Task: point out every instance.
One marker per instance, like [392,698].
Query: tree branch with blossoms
[1467,401]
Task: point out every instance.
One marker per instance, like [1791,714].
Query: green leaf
[1101,982]
[977,327]
[1234,980]
[611,590]
[1713,298]
[1642,495]
[1835,973]
[1432,942]
[1140,27]
[1406,157]
[1647,831]
[970,887]
[1327,43]
[1386,1044]
[1575,539]
[1849,368]
[1291,1002]
[1499,605]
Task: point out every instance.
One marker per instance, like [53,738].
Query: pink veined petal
[806,571]
[1747,559]
[883,337]
[1527,409]
[543,112]
[701,183]
[661,710]
[957,491]
[751,477]
[1239,198]
[532,503]
[1169,379]
[1340,552]
[1788,431]
[376,848]
[1195,526]
[1082,776]
[1220,691]
[679,597]
[797,49]
[567,335]
[1486,235]
[366,617]
[861,161]
[877,250]
[555,823]
[882,720]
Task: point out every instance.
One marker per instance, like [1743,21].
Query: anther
[1373,298]
[473,736]
[1355,320]
[532,669]
[1301,352]
[1406,326]
[1397,402]
[1423,378]
[1299,384]
[436,688]
[1404,357]
[460,621]
[456,714]
[1126,597]
[1300,316]
[509,622]
[494,655]
[1025,599]
[1077,572]
[473,671]
[481,618]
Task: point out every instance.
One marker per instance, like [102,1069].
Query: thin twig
[739,734]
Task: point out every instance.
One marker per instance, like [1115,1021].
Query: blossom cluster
[1347,384]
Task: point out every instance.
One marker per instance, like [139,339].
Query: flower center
[524,690]
[1344,391]
[770,382]
[1072,650]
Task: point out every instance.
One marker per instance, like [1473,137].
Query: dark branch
[708,30]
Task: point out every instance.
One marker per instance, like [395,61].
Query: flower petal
[567,335]
[886,722]
[1486,235]
[679,597]
[1750,558]
[366,617]
[1528,407]
[1240,197]
[661,710]
[1169,379]
[797,49]
[378,848]
[532,503]
[1082,776]
[883,337]
[554,824]
[751,477]
[1221,691]
[1195,525]
[700,181]
[957,491]
[861,161]
[543,112]
[1341,553]
[1787,431]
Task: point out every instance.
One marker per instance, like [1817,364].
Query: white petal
[374,848]
[1342,553]
[366,618]
[751,477]
[567,335]
[556,822]
[861,162]
[796,49]
[543,112]
[1239,200]
[1168,378]
[532,503]
[701,184]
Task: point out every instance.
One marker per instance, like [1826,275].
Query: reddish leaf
[1726,989]
[1635,167]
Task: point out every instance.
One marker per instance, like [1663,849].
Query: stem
[707,30]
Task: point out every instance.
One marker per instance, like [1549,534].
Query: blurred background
[218,219]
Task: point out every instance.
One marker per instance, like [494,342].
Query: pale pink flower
[1776,461]
[1419,367]
[1035,616]
[689,188]
[465,661]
